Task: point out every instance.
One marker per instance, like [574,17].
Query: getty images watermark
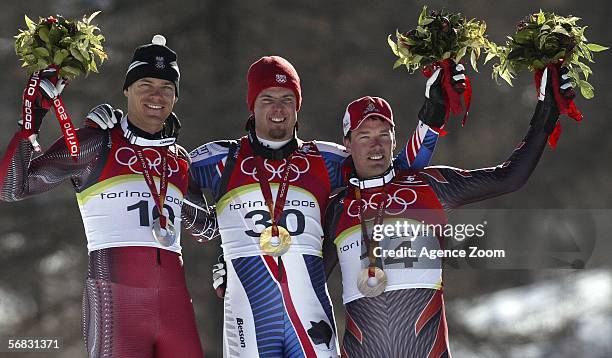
[494,239]
[412,231]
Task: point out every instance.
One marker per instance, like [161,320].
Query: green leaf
[537,64]
[393,45]
[92,67]
[76,54]
[40,52]
[29,23]
[55,34]
[91,17]
[541,18]
[69,72]
[43,33]
[426,22]
[490,55]
[41,64]
[60,56]
[422,15]
[417,58]
[586,70]
[596,47]
[473,60]
[398,63]
[460,54]
[506,76]
[29,58]
[587,92]
[100,53]
[561,30]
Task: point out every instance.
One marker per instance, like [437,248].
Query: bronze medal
[372,281]
[372,286]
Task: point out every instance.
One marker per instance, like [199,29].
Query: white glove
[457,79]
[105,116]
[219,274]
[220,277]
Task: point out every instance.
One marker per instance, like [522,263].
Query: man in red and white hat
[391,291]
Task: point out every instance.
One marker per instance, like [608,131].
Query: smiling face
[371,146]
[150,101]
[275,114]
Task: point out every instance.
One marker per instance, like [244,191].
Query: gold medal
[165,237]
[372,286]
[275,245]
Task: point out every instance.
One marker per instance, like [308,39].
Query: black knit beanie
[154,60]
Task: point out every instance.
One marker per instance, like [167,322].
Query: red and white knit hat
[272,71]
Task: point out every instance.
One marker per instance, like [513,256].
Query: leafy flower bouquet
[542,41]
[440,40]
[55,50]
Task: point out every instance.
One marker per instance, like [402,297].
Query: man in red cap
[393,299]
[130,184]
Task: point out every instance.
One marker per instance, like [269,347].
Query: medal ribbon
[378,220]
[274,208]
[163,182]
[27,109]
[70,138]
[30,95]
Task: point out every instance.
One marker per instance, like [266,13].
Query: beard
[277,133]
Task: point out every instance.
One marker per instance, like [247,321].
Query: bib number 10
[143,211]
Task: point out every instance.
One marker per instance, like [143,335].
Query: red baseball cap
[363,108]
[272,71]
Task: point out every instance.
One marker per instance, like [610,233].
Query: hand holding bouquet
[55,50]
[441,40]
[547,41]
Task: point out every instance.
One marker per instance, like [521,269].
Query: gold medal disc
[275,245]
[372,286]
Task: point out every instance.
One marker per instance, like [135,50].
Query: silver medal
[165,237]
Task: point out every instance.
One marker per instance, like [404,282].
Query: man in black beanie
[135,302]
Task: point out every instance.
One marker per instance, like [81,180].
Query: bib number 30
[262,217]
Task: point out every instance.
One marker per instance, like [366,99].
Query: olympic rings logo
[396,203]
[297,167]
[127,156]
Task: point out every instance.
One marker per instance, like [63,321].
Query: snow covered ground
[569,316]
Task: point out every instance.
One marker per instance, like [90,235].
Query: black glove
[433,111]
[566,87]
[172,126]
[103,116]
[546,113]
